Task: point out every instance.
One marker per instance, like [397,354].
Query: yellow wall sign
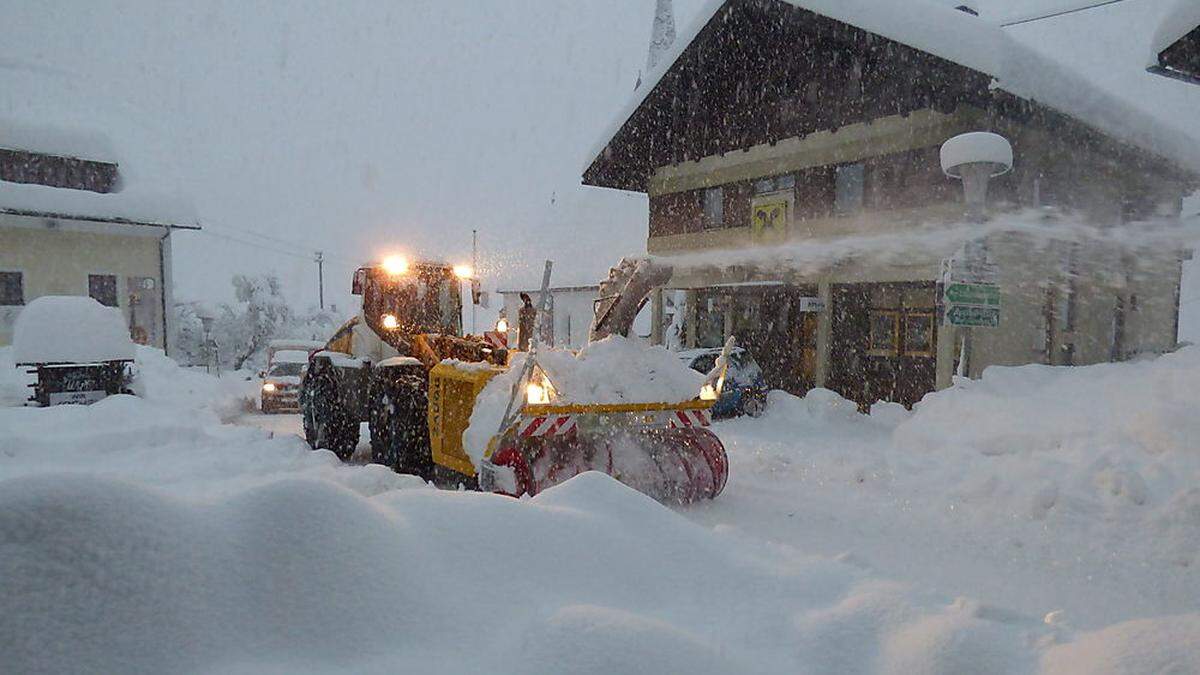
[769,217]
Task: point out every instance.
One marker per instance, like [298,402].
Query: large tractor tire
[399,423]
[327,422]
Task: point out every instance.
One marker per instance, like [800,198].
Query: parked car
[745,391]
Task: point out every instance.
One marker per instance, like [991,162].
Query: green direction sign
[981,317]
[985,295]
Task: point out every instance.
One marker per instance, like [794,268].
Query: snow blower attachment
[546,435]
[664,450]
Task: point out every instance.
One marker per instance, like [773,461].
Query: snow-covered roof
[1183,18]
[971,42]
[56,140]
[131,205]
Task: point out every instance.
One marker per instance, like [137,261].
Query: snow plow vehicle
[456,409]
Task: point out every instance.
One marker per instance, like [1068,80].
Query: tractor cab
[403,298]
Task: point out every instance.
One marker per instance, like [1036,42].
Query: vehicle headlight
[390,321]
[395,265]
[269,387]
[708,392]
[535,394]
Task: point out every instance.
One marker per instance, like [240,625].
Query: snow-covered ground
[143,535]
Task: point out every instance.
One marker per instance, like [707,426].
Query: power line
[1059,13]
[303,247]
[300,250]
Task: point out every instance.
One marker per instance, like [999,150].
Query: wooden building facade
[791,159]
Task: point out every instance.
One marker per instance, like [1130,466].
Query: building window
[918,334]
[103,289]
[849,190]
[12,288]
[885,333]
[714,207]
[764,186]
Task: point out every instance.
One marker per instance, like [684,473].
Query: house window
[918,334]
[103,289]
[885,333]
[764,186]
[849,191]
[12,288]
[714,207]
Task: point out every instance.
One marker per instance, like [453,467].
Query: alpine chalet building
[790,152]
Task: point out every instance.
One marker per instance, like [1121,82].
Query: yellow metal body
[452,394]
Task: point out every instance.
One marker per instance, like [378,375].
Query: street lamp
[207,317]
[975,158]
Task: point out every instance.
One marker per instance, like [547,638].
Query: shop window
[714,207]
[103,289]
[12,288]
[918,334]
[885,333]
[850,181]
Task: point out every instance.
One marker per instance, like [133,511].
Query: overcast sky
[363,127]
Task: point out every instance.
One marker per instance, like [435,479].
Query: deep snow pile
[140,535]
[589,577]
[14,389]
[1040,488]
[613,370]
[159,378]
[70,329]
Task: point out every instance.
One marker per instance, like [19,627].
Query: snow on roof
[304,345]
[971,42]
[56,140]
[70,329]
[132,204]
[1182,19]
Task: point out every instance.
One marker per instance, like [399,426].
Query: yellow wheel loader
[403,366]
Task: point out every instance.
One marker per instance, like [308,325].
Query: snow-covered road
[143,534]
[822,482]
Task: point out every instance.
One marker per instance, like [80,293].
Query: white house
[68,226]
[570,314]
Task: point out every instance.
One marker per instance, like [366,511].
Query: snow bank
[590,577]
[70,329]
[613,370]
[1038,488]
[14,382]
[159,378]
[281,574]
[140,535]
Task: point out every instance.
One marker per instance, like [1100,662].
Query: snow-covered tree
[260,314]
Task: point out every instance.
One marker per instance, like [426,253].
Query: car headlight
[269,387]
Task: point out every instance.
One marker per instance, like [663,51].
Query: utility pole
[474,271]
[320,260]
